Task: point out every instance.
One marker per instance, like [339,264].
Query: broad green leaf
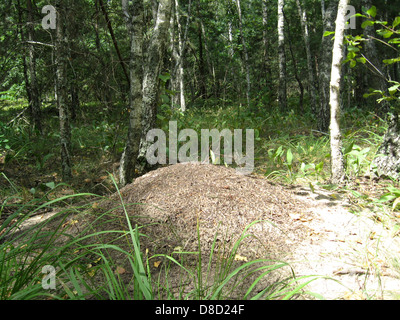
[367,24]
[353,49]
[328,33]
[372,12]
[362,60]
[396,22]
[51,185]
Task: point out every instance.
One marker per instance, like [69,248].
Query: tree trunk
[178,50]
[245,54]
[202,73]
[325,65]
[387,164]
[282,94]
[133,15]
[337,164]
[266,54]
[296,72]
[62,94]
[311,76]
[34,102]
[151,74]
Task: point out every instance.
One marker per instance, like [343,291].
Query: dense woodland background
[124,67]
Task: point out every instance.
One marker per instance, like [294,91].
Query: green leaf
[367,24]
[353,49]
[289,157]
[165,77]
[319,166]
[396,22]
[353,63]
[51,185]
[393,89]
[328,33]
[372,12]
[362,60]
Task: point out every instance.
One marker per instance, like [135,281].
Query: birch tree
[325,63]
[133,16]
[266,54]
[337,164]
[282,99]
[178,51]
[245,53]
[34,102]
[152,69]
[62,93]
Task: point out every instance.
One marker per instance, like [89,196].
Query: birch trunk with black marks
[152,69]
[266,53]
[245,53]
[325,64]
[133,15]
[179,39]
[282,92]
[337,163]
[62,93]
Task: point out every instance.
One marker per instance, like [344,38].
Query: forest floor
[350,243]
[330,234]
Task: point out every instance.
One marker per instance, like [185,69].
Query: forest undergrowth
[288,150]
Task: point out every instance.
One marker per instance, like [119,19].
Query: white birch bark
[133,15]
[152,71]
[245,53]
[282,99]
[337,164]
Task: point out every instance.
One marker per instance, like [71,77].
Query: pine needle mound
[173,201]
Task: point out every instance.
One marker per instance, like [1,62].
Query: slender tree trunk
[325,64]
[266,54]
[296,72]
[282,94]
[133,15]
[337,163]
[34,102]
[202,81]
[245,53]
[311,76]
[62,93]
[178,51]
[211,68]
[151,74]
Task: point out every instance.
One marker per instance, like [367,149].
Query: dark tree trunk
[387,163]
[34,102]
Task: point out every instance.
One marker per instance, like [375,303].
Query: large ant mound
[178,201]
